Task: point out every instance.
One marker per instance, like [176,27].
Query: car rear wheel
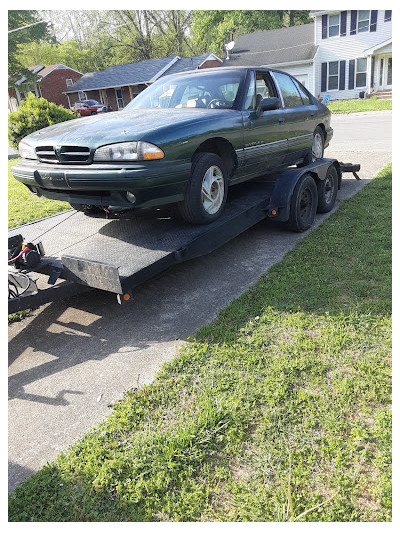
[317,149]
[303,205]
[206,191]
[327,190]
[85,208]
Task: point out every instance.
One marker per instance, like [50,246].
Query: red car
[84,108]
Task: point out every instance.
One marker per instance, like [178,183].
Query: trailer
[68,253]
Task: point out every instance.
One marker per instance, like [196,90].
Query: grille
[63,154]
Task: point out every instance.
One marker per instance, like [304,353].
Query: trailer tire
[85,208]
[206,191]
[303,204]
[327,190]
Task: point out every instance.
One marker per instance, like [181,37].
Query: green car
[185,140]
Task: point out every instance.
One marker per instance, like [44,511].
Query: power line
[28,26]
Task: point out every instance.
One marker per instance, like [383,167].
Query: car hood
[120,126]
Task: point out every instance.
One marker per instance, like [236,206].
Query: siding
[346,48]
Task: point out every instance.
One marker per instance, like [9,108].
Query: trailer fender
[278,206]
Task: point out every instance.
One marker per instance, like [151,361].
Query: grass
[25,207]
[357,105]
[279,410]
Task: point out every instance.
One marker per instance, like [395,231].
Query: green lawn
[278,407]
[354,106]
[23,206]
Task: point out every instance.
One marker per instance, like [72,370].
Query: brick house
[116,86]
[51,83]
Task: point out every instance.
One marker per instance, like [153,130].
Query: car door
[264,135]
[299,114]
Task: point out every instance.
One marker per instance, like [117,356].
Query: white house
[342,53]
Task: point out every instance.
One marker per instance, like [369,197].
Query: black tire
[310,157]
[93,113]
[196,207]
[327,190]
[303,205]
[87,209]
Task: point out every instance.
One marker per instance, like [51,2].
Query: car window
[206,90]
[92,102]
[303,93]
[262,89]
[290,94]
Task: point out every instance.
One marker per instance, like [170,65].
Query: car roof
[220,69]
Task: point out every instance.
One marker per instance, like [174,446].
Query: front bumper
[153,183]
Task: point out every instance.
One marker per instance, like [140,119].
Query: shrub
[33,115]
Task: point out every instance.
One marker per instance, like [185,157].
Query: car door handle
[281,120]
[312,114]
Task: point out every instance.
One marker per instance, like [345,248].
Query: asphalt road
[69,361]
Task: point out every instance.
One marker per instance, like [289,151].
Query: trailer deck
[117,254]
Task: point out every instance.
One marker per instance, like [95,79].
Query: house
[52,80]
[346,54]
[116,86]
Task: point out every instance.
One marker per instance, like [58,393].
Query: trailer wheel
[317,150]
[327,190]
[303,204]
[85,208]
[206,191]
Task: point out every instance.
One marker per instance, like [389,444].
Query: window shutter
[353,23]
[374,16]
[352,64]
[343,23]
[324,73]
[372,70]
[324,26]
[342,75]
[388,15]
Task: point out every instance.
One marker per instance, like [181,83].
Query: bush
[33,115]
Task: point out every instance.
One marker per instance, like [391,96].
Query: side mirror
[267,104]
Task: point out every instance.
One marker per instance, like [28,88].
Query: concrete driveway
[69,361]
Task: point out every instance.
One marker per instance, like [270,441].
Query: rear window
[290,94]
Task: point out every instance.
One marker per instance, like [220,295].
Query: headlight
[26,150]
[129,151]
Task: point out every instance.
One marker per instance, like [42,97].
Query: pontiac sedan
[185,140]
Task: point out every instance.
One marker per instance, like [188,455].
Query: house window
[118,96]
[363,20]
[361,72]
[81,95]
[333,75]
[333,25]
[388,15]
[69,82]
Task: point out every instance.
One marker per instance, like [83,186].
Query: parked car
[184,139]
[85,108]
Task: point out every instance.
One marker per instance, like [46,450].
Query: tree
[32,33]
[214,28]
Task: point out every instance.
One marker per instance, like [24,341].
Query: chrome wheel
[317,147]
[212,190]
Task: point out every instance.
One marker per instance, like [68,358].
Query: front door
[385,72]
[265,136]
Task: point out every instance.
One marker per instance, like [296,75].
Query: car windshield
[92,102]
[208,90]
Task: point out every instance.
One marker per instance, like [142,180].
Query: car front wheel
[206,191]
